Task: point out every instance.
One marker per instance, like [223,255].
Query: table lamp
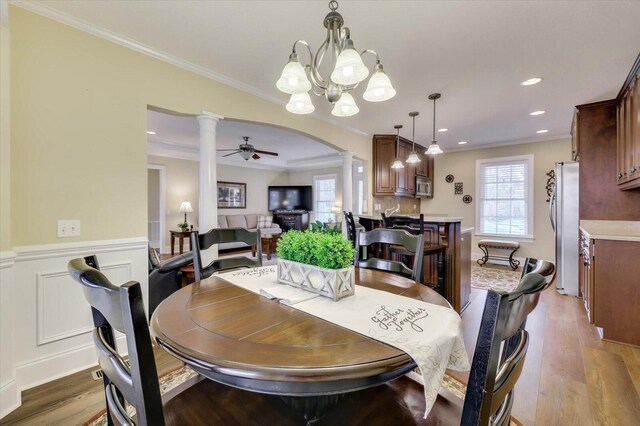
[185,208]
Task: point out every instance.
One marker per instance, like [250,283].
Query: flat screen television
[293,197]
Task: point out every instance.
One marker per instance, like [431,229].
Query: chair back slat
[204,241]
[411,243]
[509,371]
[351,227]
[122,306]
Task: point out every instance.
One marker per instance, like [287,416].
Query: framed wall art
[458,188]
[232,195]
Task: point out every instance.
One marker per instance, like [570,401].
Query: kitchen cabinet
[398,182]
[628,131]
[608,278]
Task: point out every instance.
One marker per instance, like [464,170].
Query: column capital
[206,115]
[346,154]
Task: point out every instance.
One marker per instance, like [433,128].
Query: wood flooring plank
[613,396]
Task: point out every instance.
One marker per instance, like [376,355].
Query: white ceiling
[475,53]
[178,136]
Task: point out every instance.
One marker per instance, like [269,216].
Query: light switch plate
[68,228]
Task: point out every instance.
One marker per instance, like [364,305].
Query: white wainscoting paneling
[9,395]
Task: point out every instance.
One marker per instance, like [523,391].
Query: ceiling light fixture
[397,163]
[444,129]
[413,157]
[462,143]
[434,148]
[348,71]
[149,132]
[531,81]
[542,131]
[539,112]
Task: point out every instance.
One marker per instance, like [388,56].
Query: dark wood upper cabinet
[628,131]
[399,182]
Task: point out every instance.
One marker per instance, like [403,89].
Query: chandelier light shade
[345,107]
[300,103]
[379,88]
[413,157]
[397,163]
[434,148]
[348,71]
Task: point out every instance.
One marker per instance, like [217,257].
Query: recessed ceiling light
[531,81]
[540,112]
[542,131]
[149,132]
[462,143]
[444,129]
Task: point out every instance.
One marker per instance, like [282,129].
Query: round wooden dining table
[241,339]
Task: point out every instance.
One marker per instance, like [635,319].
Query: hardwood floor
[570,377]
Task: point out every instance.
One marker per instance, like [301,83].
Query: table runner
[430,334]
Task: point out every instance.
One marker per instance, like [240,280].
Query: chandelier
[348,72]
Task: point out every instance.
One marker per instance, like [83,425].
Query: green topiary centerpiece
[320,262]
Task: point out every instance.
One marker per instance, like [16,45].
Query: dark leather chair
[165,277]
[217,236]
[393,237]
[489,395]
[416,226]
[205,403]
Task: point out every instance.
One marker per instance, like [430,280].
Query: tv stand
[292,219]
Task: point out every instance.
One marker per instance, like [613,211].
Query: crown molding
[507,143]
[82,25]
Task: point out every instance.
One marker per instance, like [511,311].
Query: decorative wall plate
[467,199]
[449,178]
[458,188]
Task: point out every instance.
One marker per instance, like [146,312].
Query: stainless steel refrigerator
[564,216]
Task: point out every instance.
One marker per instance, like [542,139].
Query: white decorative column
[347,185]
[208,200]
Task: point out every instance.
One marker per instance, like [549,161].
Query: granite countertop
[621,230]
[427,218]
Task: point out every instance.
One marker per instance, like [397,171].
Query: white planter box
[332,283]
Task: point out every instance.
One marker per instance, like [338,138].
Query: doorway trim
[161,215]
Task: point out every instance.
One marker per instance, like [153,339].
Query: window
[504,197]
[324,193]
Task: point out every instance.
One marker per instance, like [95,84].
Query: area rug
[486,277]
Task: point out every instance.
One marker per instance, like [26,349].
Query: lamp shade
[349,68]
[379,88]
[294,78]
[397,164]
[300,103]
[185,207]
[413,158]
[434,148]
[345,107]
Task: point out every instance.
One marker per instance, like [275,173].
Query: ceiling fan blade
[255,156]
[266,152]
[231,154]
[232,149]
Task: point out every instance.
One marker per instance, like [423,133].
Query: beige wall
[463,166]
[5,152]
[257,181]
[78,128]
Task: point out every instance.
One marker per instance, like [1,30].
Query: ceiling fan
[246,150]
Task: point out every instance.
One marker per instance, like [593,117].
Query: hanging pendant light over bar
[434,148]
[413,157]
[397,163]
[348,72]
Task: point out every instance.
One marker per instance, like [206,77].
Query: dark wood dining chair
[412,244]
[204,241]
[416,226]
[489,394]
[351,227]
[205,403]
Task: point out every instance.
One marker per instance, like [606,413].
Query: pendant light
[413,157]
[397,164]
[434,148]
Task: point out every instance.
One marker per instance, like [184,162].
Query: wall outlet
[68,228]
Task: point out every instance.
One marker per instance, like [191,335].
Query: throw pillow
[264,221]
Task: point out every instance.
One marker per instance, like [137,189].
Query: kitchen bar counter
[441,230]
[616,230]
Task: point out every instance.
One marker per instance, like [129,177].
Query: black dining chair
[351,227]
[489,394]
[204,241]
[204,403]
[392,237]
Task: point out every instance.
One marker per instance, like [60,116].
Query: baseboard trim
[10,398]
[47,251]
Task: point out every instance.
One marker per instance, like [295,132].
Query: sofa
[247,221]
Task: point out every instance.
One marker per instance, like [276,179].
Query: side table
[181,235]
